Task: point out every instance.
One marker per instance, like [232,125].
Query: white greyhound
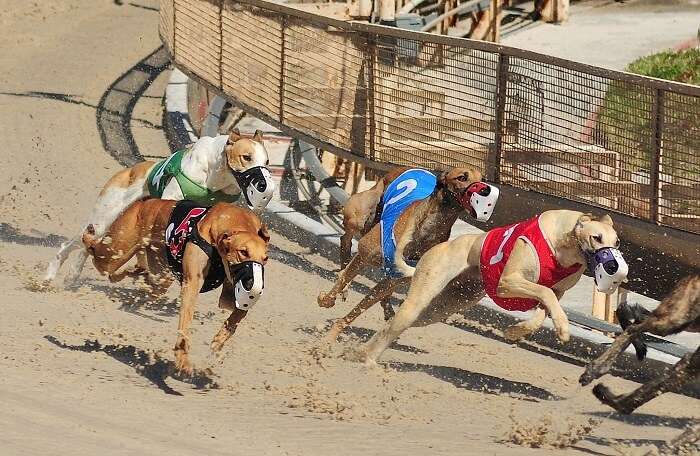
[213,169]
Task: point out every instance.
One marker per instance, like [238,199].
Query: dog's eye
[598,238]
[246,157]
[462,178]
[617,243]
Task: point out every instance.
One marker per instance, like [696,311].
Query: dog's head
[240,246]
[245,153]
[244,253]
[458,180]
[593,235]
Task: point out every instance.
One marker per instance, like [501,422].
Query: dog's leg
[345,248]
[158,275]
[61,256]
[687,369]
[602,365]
[227,330]
[516,286]
[434,271]
[194,268]
[344,278]
[381,291]
[525,328]
[387,309]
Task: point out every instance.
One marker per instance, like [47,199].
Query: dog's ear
[258,136]
[263,233]
[234,135]
[606,219]
[585,218]
[223,243]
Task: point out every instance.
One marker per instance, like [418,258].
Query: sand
[85,369]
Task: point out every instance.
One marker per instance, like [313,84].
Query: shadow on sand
[147,365]
[474,381]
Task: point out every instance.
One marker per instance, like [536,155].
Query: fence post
[221,44]
[283,24]
[174,28]
[657,117]
[371,105]
[494,159]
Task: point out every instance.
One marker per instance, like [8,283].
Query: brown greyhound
[429,221]
[207,242]
[679,311]
[361,212]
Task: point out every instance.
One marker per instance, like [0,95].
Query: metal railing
[388,96]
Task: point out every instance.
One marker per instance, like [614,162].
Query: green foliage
[681,66]
[626,116]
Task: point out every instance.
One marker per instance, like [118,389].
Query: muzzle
[480,200]
[257,186]
[608,267]
[249,282]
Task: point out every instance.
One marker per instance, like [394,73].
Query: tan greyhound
[567,236]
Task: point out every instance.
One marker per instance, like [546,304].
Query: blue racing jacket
[411,186]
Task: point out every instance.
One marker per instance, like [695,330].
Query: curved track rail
[660,255]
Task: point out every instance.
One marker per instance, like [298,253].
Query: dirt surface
[85,369]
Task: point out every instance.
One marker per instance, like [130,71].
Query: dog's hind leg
[61,256]
[437,268]
[686,370]
[601,365]
[381,291]
[367,254]
[387,309]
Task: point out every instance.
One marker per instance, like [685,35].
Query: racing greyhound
[212,170]
[202,247]
[528,265]
[679,311]
[418,202]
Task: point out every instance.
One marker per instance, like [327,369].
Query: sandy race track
[84,369]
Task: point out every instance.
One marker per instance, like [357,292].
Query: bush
[628,125]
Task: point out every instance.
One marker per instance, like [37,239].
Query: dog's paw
[183,366]
[563,336]
[325,300]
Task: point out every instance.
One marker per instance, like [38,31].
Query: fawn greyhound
[528,265]
[203,247]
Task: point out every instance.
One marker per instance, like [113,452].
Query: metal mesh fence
[605,138]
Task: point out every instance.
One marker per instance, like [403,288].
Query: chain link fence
[606,138]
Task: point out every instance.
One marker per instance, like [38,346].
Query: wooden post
[495,152]
[495,29]
[370,57]
[657,115]
[603,308]
[556,11]
[387,10]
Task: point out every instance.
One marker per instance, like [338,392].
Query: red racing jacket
[496,249]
